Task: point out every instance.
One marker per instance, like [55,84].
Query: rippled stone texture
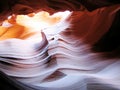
[58,56]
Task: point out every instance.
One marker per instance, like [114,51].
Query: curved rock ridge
[59,57]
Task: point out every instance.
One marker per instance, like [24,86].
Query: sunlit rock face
[44,51]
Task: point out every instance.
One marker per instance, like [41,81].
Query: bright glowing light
[27,26]
[37,22]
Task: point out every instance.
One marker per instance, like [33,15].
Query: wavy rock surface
[62,58]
